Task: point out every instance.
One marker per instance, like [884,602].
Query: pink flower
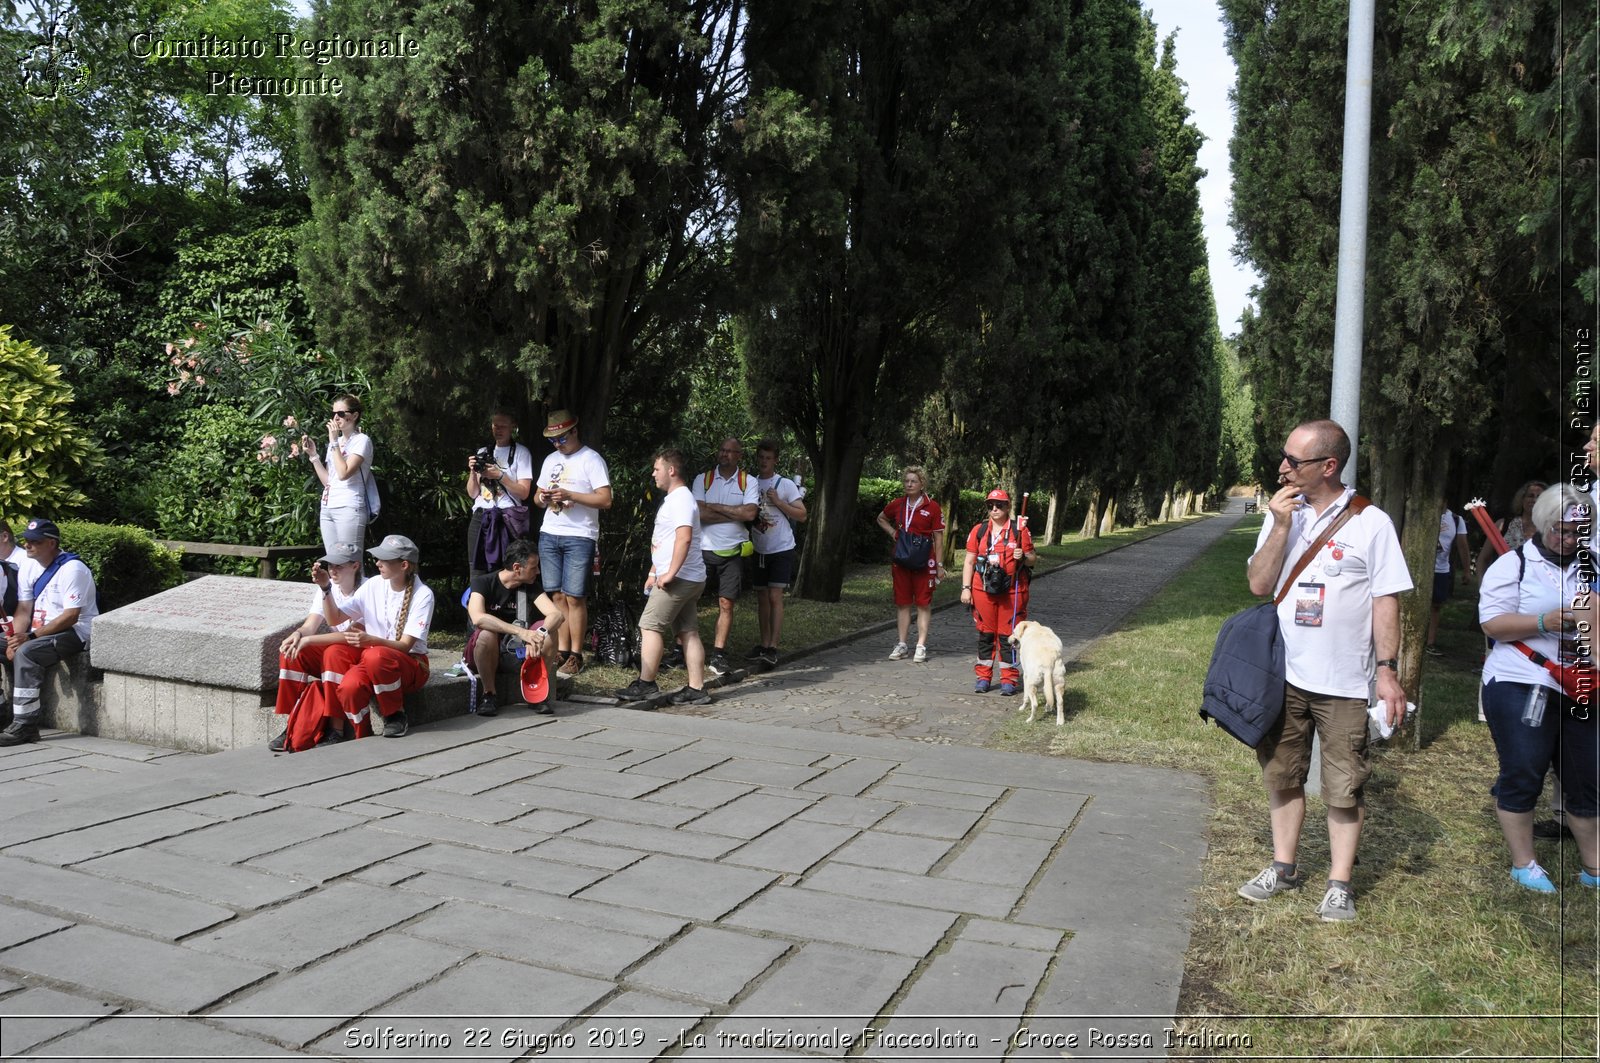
[200,380]
[188,342]
[169,348]
[294,450]
[176,359]
[290,422]
[269,442]
[192,362]
[172,387]
[184,375]
[261,455]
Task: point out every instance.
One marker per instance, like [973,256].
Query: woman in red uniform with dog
[994,581]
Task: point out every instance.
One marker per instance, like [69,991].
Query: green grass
[1442,931]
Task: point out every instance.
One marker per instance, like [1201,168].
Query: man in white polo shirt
[55,606]
[1344,604]
[728,498]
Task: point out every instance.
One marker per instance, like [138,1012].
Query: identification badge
[1308,598]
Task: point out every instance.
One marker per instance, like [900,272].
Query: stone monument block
[220,631]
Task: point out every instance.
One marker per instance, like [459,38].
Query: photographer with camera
[994,581]
[499,480]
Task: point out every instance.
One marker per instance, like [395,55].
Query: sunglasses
[559,440]
[999,505]
[341,413]
[1295,463]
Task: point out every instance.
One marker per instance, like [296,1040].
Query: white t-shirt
[677,510]
[72,587]
[352,492]
[581,472]
[377,606]
[1450,526]
[725,491]
[1544,587]
[516,462]
[339,601]
[1361,562]
[774,533]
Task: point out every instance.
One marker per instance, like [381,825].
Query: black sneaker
[718,665]
[674,658]
[769,656]
[547,707]
[1548,828]
[277,744]
[756,653]
[639,690]
[332,737]
[19,732]
[396,726]
[691,696]
[487,707]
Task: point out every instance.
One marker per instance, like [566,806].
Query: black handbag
[1243,691]
[912,550]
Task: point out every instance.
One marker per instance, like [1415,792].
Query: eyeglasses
[341,413]
[999,505]
[1295,463]
[560,440]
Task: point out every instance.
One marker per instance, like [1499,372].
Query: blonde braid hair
[405,602]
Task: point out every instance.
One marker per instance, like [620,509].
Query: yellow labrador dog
[1043,671]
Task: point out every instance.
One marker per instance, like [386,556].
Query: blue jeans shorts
[1526,753]
[566,564]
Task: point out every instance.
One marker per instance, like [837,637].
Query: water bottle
[1533,708]
[472,692]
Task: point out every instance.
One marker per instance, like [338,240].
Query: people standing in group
[349,493]
[574,485]
[1533,595]
[335,576]
[918,519]
[995,581]
[55,609]
[1339,622]
[780,507]
[672,589]
[728,499]
[1452,543]
[382,655]
[501,607]
[499,481]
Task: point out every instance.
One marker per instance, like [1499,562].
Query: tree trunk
[1419,539]
[1091,520]
[827,547]
[1166,507]
[1050,517]
[1108,519]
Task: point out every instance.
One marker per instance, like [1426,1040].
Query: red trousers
[992,615]
[374,672]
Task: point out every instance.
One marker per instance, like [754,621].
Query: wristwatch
[1389,663]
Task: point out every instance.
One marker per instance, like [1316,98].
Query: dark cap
[41,529]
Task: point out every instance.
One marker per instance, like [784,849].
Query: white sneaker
[921,656]
[899,652]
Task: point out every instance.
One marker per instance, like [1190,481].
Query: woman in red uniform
[919,518]
[994,581]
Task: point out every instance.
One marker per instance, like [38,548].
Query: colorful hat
[560,423]
[998,495]
[535,679]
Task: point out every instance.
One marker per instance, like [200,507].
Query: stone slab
[586,854]
[999,859]
[1038,938]
[894,852]
[222,631]
[460,832]
[636,1026]
[1041,808]
[163,1037]
[930,820]
[647,839]
[296,1008]
[106,901]
[750,816]
[239,885]
[819,989]
[690,888]
[709,964]
[873,884]
[680,764]
[545,905]
[19,924]
[523,869]
[294,934]
[636,811]
[793,847]
[850,778]
[335,855]
[479,808]
[480,994]
[241,839]
[701,793]
[605,783]
[232,806]
[347,789]
[147,972]
[763,772]
[534,939]
[49,1014]
[941,798]
[849,811]
[86,844]
[809,915]
[971,979]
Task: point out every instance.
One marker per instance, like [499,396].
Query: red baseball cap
[535,679]
[998,495]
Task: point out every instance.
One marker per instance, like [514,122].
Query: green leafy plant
[40,450]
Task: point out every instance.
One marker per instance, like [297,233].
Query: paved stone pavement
[610,884]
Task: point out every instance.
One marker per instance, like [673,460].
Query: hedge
[126,561]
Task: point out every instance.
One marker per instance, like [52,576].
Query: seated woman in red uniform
[994,581]
[336,575]
[383,656]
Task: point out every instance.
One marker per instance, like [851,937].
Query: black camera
[482,459]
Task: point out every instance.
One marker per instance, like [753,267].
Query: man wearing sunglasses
[574,486]
[1344,606]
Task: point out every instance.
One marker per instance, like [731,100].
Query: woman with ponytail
[384,654]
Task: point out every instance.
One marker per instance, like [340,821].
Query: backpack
[9,606]
[614,635]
